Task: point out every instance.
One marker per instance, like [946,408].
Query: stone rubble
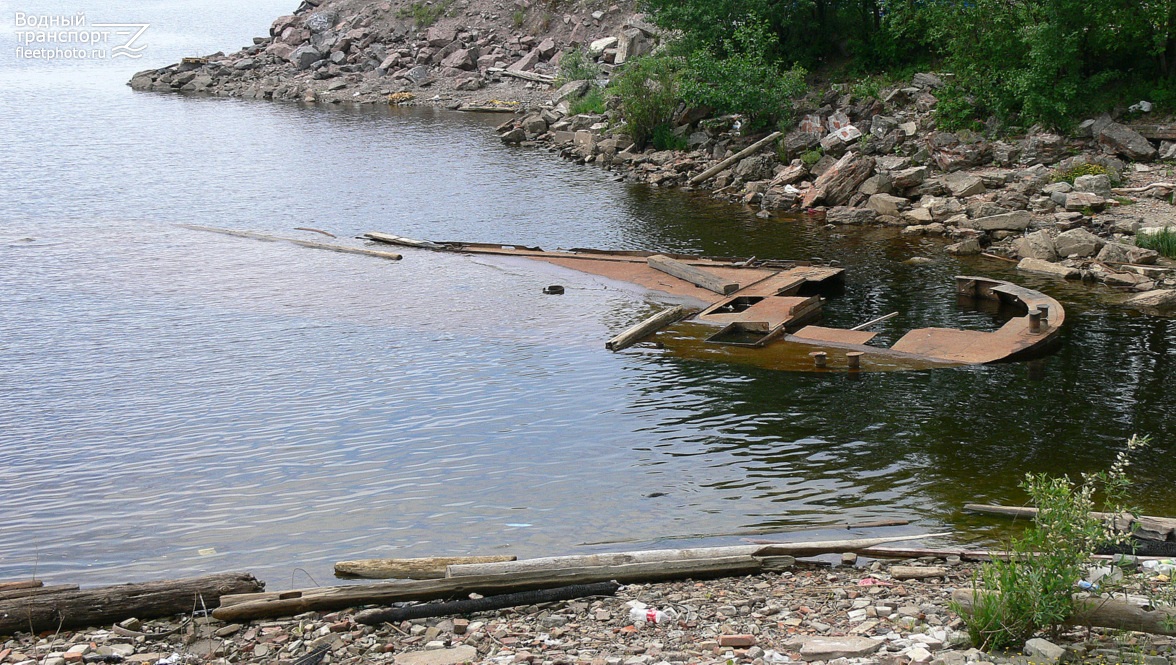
[857,613]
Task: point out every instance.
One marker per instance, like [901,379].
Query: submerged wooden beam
[696,276]
[425,568]
[104,605]
[648,327]
[749,150]
[294,241]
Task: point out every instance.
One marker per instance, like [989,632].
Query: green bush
[810,157]
[1077,171]
[741,78]
[1033,589]
[1163,242]
[577,65]
[424,14]
[664,138]
[648,89]
[592,102]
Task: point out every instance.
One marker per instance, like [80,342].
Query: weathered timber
[874,322]
[1138,190]
[294,241]
[879,552]
[526,76]
[426,610]
[36,591]
[749,150]
[312,230]
[1156,132]
[696,276]
[1144,526]
[424,568]
[1100,613]
[647,327]
[761,549]
[26,584]
[340,597]
[916,572]
[102,605]
[400,240]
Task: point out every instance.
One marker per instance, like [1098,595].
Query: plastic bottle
[650,615]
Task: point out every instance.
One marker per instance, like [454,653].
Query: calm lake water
[175,402]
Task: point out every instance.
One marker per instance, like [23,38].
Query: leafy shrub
[810,157]
[1033,589]
[591,102]
[648,89]
[577,65]
[424,14]
[742,79]
[956,110]
[664,138]
[1077,171]
[867,88]
[1163,242]
[518,18]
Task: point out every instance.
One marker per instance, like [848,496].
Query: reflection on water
[165,391]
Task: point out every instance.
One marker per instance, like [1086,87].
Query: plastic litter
[640,613]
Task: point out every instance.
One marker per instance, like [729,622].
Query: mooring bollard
[819,358]
[1044,309]
[855,359]
[1035,320]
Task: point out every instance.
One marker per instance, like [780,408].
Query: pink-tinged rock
[838,184]
[460,59]
[527,62]
[737,641]
[829,648]
[546,48]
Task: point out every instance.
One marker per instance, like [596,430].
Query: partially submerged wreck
[748,305]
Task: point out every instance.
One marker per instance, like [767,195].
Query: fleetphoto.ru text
[73,37]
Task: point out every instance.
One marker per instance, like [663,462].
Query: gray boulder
[1118,252]
[304,56]
[1123,140]
[1078,243]
[847,215]
[1037,245]
[1079,201]
[1040,267]
[968,247]
[321,21]
[1009,221]
[1095,184]
[885,204]
[1163,300]
[963,185]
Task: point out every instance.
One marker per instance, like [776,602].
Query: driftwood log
[424,568]
[294,241]
[13,594]
[23,584]
[102,605]
[425,610]
[1100,613]
[749,150]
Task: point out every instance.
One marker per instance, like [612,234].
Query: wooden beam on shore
[23,584]
[103,605]
[35,591]
[696,276]
[526,76]
[288,603]
[1144,526]
[1098,612]
[295,241]
[647,327]
[749,150]
[424,568]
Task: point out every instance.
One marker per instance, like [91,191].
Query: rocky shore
[1068,207]
[853,613]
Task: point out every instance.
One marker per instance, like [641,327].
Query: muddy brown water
[174,402]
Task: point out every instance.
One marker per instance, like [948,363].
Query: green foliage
[1073,173]
[867,88]
[742,78]
[1032,590]
[518,18]
[577,65]
[810,157]
[592,102]
[664,138]
[956,110]
[648,89]
[425,14]
[1163,242]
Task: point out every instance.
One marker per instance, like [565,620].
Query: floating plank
[104,605]
[749,150]
[1097,612]
[424,568]
[648,327]
[401,240]
[696,276]
[295,241]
